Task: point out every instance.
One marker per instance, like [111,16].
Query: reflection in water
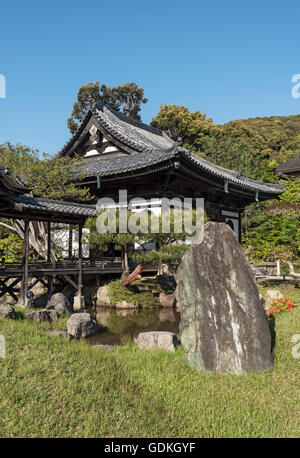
[116,324]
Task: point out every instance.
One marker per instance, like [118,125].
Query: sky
[228,59]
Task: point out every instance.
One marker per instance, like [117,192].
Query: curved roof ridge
[132,135]
[231,175]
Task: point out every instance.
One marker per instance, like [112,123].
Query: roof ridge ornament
[91,102]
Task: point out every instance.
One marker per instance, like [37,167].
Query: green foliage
[170,246]
[252,146]
[272,229]
[192,128]
[281,305]
[126,98]
[118,293]
[47,176]
[11,247]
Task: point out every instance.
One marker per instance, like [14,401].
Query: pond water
[119,325]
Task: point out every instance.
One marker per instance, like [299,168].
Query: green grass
[287,288]
[53,388]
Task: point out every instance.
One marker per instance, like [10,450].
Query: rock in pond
[82,325]
[7,311]
[102,299]
[60,303]
[157,339]
[41,315]
[223,325]
[167,300]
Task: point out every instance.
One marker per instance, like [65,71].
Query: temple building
[121,153]
[290,168]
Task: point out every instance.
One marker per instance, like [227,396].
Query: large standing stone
[223,325]
[7,311]
[157,339]
[82,325]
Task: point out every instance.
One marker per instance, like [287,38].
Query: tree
[170,245]
[192,128]
[126,98]
[273,228]
[48,177]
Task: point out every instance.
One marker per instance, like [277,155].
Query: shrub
[281,305]
[118,293]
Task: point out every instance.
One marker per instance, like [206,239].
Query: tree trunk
[135,275]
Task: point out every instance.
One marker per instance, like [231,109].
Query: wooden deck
[72,272]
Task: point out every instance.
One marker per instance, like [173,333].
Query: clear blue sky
[229,59]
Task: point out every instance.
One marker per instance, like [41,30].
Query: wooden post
[49,241]
[80,242]
[50,278]
[278,267]
[79,299]
[25,266]
[70,243]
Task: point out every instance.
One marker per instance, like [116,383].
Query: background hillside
[254,146]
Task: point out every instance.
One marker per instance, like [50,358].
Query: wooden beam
[25,265]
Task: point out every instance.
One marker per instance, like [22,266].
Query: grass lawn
[54,388]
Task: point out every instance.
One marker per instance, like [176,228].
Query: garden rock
[157,339]
[166,282]
[62,334]
[82,325]
[60,303]
[41,315]
[270,296]
[223,325]
[102,297]
[104,347]
[167,300]
[7,311]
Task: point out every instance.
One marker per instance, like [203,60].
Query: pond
[118,326]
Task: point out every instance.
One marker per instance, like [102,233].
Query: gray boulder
[7,311]
[82,325]
[271,295]
[41,315]
[62,334]
[60,303]
[104,347]
[157,339]
[102,297]
[167,300]
[223,325]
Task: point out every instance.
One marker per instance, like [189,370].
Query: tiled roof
[150,147]
[233,176]
[293,165]
[137,162]
[9,185]
[53,206]
[122,164]
[134,134]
